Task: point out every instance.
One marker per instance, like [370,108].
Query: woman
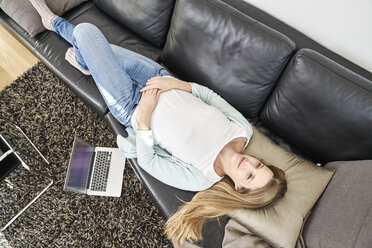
[163,115]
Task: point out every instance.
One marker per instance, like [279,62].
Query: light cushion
[22,12]
[280,225]
[343,215]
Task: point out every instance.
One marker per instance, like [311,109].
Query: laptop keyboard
[101,171]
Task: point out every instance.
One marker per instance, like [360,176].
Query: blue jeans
[118,72]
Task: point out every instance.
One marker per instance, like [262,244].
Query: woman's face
[248,172]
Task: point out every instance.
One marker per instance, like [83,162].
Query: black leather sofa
[248,57]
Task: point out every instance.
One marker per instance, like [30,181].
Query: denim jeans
[118,72]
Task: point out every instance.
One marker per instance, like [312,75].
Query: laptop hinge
[91,169]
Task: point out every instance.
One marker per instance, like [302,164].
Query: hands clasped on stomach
[150,96]
[147,104]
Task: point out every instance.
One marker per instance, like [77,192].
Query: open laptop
[95,170]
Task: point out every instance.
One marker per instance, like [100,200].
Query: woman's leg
[65,29]
[130,61]
[118,73]
[139,68]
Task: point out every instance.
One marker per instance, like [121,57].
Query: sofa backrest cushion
[148,18]
[215,45]
[322,108]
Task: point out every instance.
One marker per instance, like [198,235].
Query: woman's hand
[165,83]
[147,104]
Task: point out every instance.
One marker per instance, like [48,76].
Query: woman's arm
[147,104]
[170,171]
[166,83]
[205,94]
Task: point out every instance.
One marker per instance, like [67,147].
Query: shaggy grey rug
[51,114]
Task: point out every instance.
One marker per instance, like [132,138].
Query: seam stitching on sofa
[277,38]
[268,95]
[90,7]
[265,111]
[365,218]
[274,91]
[307,56]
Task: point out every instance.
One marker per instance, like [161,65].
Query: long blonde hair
[219,200]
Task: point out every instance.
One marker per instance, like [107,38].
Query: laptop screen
[79,167]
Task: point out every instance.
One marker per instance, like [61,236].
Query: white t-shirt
[191,130]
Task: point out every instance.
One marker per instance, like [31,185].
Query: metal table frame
[24,165]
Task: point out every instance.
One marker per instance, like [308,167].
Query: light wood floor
[15,59]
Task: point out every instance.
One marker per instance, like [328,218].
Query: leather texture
[214,44]
[115,32]
[115,126]
[281,141]
[165,196]
[148,18]
[301,40]
[322,108]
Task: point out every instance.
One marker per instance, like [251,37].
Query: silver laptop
[95,170]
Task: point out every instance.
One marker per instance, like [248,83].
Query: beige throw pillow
[280,225]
